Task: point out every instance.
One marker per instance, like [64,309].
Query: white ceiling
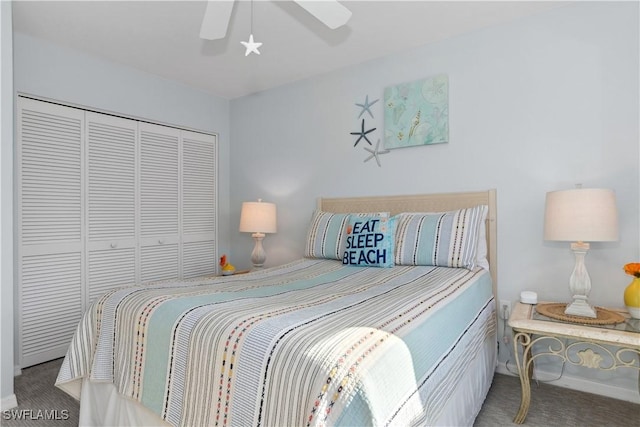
[162,37]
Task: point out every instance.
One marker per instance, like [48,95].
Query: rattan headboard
[426,203]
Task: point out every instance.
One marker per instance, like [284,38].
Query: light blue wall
[7,397]
[48,70]
[535,105]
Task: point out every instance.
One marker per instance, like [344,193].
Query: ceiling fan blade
[329,12]
[216,19]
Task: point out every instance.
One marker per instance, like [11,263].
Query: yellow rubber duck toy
[227,268]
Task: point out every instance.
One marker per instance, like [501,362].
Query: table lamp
[258,218]
[581,216]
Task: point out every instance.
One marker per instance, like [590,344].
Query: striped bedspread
[310,343]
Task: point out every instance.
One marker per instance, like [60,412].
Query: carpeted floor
[36,393]
[554,406]
[550,405]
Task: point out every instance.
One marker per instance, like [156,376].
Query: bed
[313,342]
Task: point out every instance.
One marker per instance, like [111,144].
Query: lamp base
[258,256]
[580,284]
[580,307]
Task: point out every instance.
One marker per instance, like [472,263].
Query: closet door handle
[113,245]
[161,241]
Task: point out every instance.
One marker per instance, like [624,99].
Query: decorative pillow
[481,253]
[445,239]
[326,235]
[369,241]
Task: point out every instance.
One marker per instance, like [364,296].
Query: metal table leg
[525,371]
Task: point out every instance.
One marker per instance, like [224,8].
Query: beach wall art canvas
[417,113]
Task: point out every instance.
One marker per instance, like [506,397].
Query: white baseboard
[17,371]
[581,384]
[9,402]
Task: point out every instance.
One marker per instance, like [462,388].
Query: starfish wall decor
[376,152]
[366,107]
[362,134]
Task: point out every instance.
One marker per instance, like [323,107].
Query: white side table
[530,328]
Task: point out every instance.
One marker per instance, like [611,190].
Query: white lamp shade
[581,215]
[258,217]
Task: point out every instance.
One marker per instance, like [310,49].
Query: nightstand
[586,349]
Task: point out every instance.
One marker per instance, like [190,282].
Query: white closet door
[111,194]
[103,202]
[199,255]
[50,223]
[159,202]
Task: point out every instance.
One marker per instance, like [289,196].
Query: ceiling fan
[218,12]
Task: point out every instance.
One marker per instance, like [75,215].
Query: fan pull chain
[251,46]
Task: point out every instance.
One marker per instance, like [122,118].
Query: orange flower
[633,269]
[223,260]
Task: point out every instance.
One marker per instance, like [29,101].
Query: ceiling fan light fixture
[251,46]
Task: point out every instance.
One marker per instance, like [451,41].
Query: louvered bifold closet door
[199,255]
[111,204]
[50,223]
[159,202]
